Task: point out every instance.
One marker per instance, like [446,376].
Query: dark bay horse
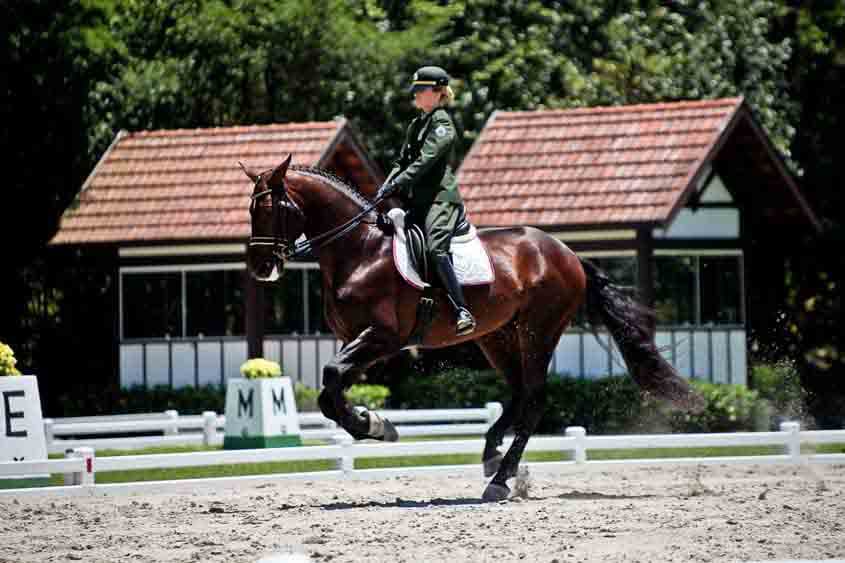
[539,285]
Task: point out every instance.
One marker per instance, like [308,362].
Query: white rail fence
[81,465]
[204,429]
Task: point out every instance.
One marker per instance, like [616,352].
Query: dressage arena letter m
[10,415]
[278,406]
[245,404]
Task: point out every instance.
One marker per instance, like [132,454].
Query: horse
[538,288]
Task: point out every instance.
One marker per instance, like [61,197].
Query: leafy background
[77,71]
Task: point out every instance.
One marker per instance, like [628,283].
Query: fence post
[209,428]
[48,432]
[346,461]
[171,415]
[793,441]
[579,433]
[494,411]
[86,477]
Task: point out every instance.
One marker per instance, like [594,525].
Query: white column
[494,412]
[793,443]
[209,428]
[86,477]
[346,462]
[171,415]
[579,433]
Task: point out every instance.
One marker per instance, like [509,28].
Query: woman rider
[426,183]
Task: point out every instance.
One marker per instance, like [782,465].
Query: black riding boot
[466,322]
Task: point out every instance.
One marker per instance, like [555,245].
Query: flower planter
[21,428]
[260,413]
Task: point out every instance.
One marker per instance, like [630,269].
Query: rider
[426,183]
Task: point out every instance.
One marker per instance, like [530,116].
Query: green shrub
[728,408]
[7,361]
[371,396]
[452,388]
[780,385]
[306,398]
[93,400]
[611,405]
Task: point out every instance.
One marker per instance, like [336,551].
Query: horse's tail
[632,326]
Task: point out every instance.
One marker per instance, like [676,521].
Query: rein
[283,249]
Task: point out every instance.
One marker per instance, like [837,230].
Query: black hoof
[495,493]
[491,466]
[381,428]
[390,433]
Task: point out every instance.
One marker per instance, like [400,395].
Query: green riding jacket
[422,174]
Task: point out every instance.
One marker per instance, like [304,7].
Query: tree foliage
[78,71]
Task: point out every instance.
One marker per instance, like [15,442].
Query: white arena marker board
[21,428]
[261,413]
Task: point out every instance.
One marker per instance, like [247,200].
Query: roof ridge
[657,106]
[224,129]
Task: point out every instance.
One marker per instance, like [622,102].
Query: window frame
[183,269]
[696,254]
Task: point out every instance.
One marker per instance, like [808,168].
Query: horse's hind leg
[537,341]
[502,351]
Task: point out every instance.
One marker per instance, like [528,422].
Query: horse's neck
[325,207]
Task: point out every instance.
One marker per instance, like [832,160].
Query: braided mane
[342,185]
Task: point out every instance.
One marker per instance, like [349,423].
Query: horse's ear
[248,171]
[280,171]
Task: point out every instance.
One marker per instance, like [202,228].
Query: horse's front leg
[345,368]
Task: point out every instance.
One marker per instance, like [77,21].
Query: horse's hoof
[390,433]
[495,493]
[381,428]
[491,466]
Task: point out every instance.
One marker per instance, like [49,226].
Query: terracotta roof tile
[596,166]
[184,184]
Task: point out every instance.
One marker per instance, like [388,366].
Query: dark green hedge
[95,401]
[612,405]
[98,400]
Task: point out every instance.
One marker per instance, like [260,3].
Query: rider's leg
[440,223]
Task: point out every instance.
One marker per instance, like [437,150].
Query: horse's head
[277,221]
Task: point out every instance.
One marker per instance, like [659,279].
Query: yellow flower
[7,361]
[259,367]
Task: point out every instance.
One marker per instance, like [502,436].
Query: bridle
[284,249]
[282,206]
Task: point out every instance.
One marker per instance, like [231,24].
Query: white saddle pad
[469,257]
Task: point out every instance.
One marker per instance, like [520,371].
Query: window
[622,271]
[674,289]
[316,322]
[720,289]
[284,304]
[215,303]
[295,303]
[189,301]
[152,305]
[698,290]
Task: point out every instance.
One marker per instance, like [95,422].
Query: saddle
[418,249]
[469,257]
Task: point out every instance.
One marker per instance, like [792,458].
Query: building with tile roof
[167,212]
[677,199]
[673,198]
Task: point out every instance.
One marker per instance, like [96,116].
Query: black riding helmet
[428,77]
